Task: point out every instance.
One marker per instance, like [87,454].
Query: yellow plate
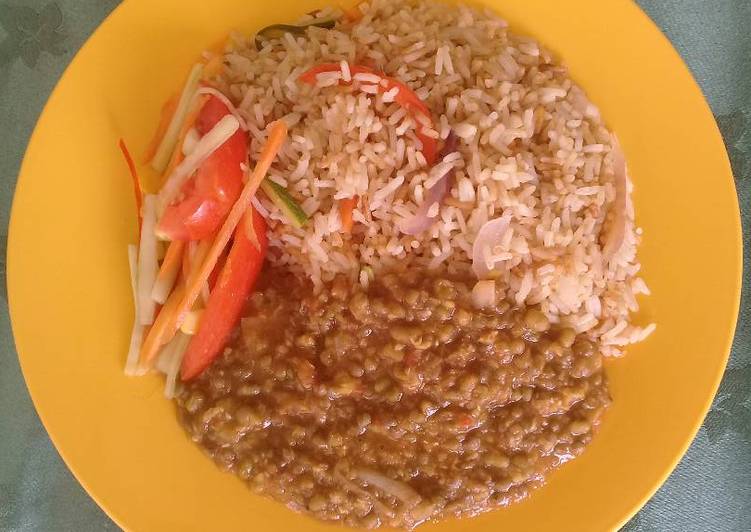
[73,216]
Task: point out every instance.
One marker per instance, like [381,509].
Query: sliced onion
[488,237]
[191,141]
[450,145]
[422,512]
[378,506]
[210,142]
[400,490]
[483,294]
[421,221]
[136,335]
[617,231]
[230,106]
[147,262]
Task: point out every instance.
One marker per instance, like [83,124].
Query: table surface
[709,491]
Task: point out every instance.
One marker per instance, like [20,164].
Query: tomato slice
[228,297]
[208,196]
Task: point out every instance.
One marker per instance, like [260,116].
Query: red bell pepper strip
[214,277]
[406,97]
[171,317]
[228,297]
[210,194]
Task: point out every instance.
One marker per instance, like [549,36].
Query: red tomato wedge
[207,197]
[405,97]
[228,297]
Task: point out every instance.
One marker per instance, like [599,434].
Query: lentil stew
[395,404]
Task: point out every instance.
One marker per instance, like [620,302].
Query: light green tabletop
[709,491]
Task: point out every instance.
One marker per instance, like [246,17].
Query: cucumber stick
[169,141]
[281,198]
[277,31]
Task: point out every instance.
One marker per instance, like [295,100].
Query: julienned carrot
[164,327]
[218,269]
[346,206]
[214,64]
[137,189]
[212,68]
[219,46]
[353,13]
[276,138]
[251,232]
[173,313]
[201,250]
[190,121]
[168,110]
[185,270]
[196,253]
[168,271]
[197,256]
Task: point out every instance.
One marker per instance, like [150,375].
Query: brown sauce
[396,404]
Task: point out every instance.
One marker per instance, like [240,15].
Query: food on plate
[396,403]
[391,249]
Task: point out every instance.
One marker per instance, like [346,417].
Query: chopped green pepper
[281,198]
[277,31]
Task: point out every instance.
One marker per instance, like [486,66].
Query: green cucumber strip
[276,31]
[281,198]
[167,146]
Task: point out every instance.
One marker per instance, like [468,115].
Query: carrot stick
[352,14]
[346,206]
[172,258]
[172,315]
[162,331]
[195,283]
[197,257]
[195,254]
[201,250]
[137,189]
[168,109]
[168,271]
[219,46]
[213,66]
[185,272]
[217,269]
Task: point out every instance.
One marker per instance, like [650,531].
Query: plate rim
[12,245]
